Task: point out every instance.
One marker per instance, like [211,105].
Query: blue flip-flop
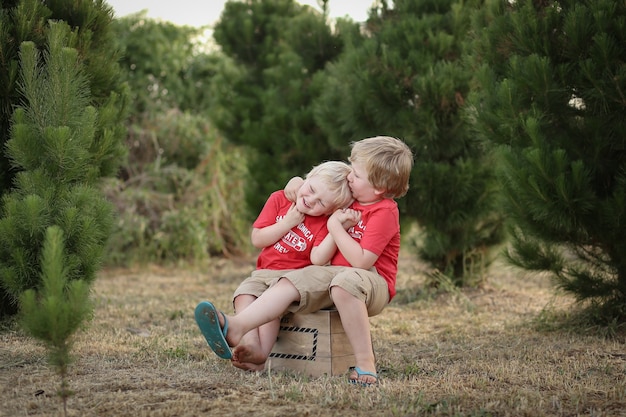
[209,323]
[359,374]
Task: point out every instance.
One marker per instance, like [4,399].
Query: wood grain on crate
[315,344]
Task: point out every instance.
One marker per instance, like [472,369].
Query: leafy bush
[181,195]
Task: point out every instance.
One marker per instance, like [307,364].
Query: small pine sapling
[53,313]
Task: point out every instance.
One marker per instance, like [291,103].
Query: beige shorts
[259,281]
[314,284]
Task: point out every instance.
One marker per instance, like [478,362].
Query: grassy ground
[485,352]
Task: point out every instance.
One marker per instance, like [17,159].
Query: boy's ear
[379,192]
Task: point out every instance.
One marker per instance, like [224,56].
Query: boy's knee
[341,295]
[338,292]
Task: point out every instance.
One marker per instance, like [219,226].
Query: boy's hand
[292,187]
[347,217]
[293,217]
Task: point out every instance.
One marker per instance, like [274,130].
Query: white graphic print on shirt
[294,241]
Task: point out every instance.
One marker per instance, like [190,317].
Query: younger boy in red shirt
[291,236]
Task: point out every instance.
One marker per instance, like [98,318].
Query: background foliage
[551,100]
[264,99]
[62,107]
[406,77]
[514,111]
[180,194]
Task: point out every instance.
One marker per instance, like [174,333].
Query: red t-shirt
[294,249]
[378,232]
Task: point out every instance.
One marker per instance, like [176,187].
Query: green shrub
[180,196]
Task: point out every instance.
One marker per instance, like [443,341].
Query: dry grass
[484,352]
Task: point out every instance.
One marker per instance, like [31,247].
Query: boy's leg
[355,320]
[268,307]
[252,356]
[256,345]
[357,295]
[241,302]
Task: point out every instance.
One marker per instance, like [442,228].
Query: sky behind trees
[194,13]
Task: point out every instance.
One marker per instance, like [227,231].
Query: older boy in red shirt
[361,279]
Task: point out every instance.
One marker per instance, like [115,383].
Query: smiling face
[362,190]
[314,198]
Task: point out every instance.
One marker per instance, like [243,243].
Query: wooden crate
[314,344]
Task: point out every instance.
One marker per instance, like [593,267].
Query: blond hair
[334,175]
[388,162]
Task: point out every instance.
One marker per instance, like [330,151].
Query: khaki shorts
[314,284]
[259,281]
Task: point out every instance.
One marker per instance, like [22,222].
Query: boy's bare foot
[248,354]
[246,366]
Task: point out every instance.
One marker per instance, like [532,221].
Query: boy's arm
[321,254]
[292,187]
[350,248]
[267,236]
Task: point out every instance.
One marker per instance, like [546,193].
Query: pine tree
[552,96]
[91,37]
[407,79]
[158,63]
[28,20]
[58,310]
[53,139]
[264,93]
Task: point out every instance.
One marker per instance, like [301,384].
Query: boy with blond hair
[290,236]
[360,280]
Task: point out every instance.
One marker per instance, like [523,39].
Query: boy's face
[362,190]
[314,199]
